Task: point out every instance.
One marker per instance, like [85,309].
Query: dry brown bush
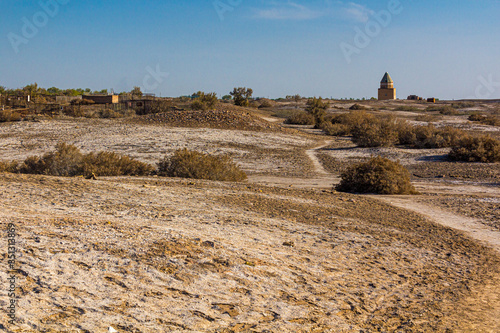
[192,164]
[443,109]
[353,119]
[366,129]
[358,107]
[335,129]
[11,166]
[476,149]
[377,133]
[379,175]
[431,137]
[113,164]
[463,105]
[67,161]
[477,117]
[9,115]
[407,108]
[492,120]
[301,118]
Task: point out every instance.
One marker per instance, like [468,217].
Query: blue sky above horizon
[447,49]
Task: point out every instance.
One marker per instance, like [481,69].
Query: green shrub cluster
[204,101]
[476,149]
[67,161]
[378,175]
[241,96]
[317,108]
[191,164]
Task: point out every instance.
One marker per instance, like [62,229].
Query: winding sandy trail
[323,180]
[472,227]
[311,153]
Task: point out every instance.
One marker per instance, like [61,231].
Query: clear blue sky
[430,48]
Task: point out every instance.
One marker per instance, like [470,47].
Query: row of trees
[34,90]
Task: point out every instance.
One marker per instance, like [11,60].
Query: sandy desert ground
[281,252]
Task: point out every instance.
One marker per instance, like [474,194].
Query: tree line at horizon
[34,90]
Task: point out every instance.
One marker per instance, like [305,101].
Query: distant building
[414,98]
[103,99]
[431,100]
[387,90]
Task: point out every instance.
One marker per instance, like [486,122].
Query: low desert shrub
[353,120]
[463,105]
[443,109]
[408,108]
[492,120]
[449,111]
[358,107]
[377,132]
[67,161]
[109,114]
[335,129]
[477,117]
[301,118]
[192,164]
[429,136]
[8,115]
[265,103]
[476,149]
[11,167]
[366,129]
[113,164]
[428,118]
[379,175]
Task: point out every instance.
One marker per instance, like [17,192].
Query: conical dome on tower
[387,90]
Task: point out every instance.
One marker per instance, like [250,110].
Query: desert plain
[282,251]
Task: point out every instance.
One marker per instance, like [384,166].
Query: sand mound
[225,116]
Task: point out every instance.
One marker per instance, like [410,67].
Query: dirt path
[311,153]
[470,226]
[324,179]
